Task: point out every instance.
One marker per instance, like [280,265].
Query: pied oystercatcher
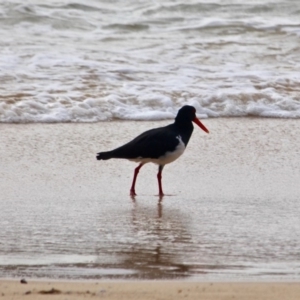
[160,145]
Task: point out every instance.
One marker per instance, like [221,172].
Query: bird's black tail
[104,155]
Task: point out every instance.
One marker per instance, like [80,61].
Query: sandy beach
[231,213]
[148,290]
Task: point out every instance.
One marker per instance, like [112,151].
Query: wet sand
[145,290]
[231,213]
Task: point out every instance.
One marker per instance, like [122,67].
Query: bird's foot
[132,193]
[160,196]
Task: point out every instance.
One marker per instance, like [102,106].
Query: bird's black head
[187,114]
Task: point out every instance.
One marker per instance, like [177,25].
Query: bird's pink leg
[161,193]
[136,171]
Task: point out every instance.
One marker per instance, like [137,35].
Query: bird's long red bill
[197,121]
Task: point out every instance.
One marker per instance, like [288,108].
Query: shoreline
[164,290]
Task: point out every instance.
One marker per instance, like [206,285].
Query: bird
[160,146]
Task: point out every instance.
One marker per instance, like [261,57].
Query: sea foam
[68,62]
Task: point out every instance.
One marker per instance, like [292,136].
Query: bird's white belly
[167,158]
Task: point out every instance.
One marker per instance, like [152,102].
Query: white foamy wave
[133,61]
[265,103]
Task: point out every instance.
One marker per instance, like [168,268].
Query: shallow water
[178,238]
[233,212]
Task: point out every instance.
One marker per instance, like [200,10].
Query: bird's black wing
[150,144]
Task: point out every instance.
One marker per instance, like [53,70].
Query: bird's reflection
[159,208]
[155,242]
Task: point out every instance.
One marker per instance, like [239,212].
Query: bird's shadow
[160,198]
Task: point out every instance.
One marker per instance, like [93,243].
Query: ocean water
[79,61]
[234,212]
